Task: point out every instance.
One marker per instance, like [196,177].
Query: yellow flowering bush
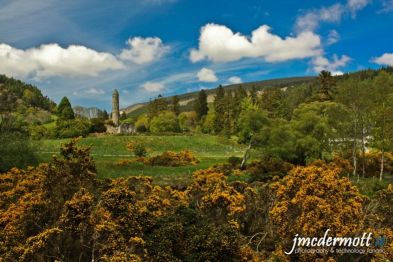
[169,158]
[311,199]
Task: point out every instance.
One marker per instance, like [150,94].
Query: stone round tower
[115,107]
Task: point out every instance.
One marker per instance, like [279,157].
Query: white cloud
[322,63]
[356,5]
[311,20]
[143,50]
[206,75]
[219,44]
[385,59]
[333,37]
[235,80]
[153,86]
[53,60]
[95,91]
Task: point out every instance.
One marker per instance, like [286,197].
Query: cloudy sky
[85,49]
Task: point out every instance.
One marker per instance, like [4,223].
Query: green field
[107,150]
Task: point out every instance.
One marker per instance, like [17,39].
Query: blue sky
[85,49]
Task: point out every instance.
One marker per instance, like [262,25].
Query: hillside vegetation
[234,178]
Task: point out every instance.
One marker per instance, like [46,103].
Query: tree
[273,102]
[15,149]
[64,109]
[200,105]
[142,124]
[166,121]
[382,114]
[105,115]
[327,84]
[354,94]
[219,108]
[187,120]
[317,125]
[156,106]
[251,120]
[254,95]
[176,105]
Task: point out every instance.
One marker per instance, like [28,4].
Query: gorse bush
[61,211]
[169,158]
[137,148]
[310,200]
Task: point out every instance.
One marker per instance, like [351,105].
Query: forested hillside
[186,100]
[265,166]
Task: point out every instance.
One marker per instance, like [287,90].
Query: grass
[107,150]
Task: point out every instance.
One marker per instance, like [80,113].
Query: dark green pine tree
[235,102]
[176,105]
[231,110]
[240,92]
[157,105]
[64,109]
[254,95]
[220,108]
[105,115]
[200,105]
[327,83]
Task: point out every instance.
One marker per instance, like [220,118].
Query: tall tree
[327,84]
[241,92]
[64,109]
[254,95]
[200,105]
[105,115]
[157,106]
[383,111]
[354,94]
[219,108]
[176,105]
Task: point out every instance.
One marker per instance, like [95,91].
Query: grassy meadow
[108,150]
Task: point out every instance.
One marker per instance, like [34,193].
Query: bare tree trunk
[363,152]
[382,164]
[354,157]
[383,145]
[246,155]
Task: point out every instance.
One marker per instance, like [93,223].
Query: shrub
[234,160]
[97,125]
[310,200]
[138,149]
[72,128]
[142,124]
[169,158]
[15,151]
[164,122]
[224,168]
[38,131]
[265,170]
[373,163]
[187,120]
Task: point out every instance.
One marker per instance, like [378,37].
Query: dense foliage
[60,211]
